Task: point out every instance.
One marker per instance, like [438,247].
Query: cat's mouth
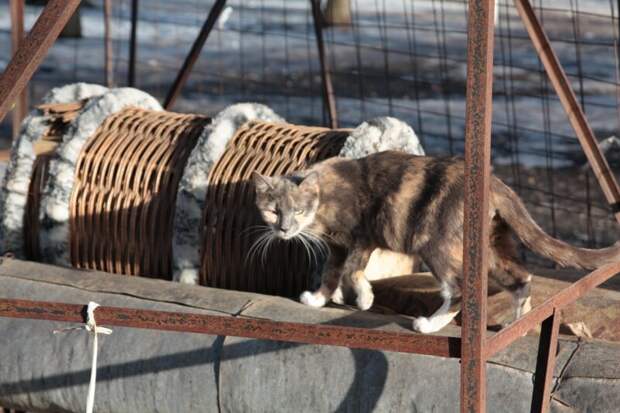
[286,235]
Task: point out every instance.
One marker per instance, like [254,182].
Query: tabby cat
[409,204]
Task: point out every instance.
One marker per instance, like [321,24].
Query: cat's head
[287,204]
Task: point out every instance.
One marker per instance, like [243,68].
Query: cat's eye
[299,212]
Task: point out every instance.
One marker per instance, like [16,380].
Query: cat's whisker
[317,246]
[321,235]
[270,239]
[323,248]
[312,257]
[257,245]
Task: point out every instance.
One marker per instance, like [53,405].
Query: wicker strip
[122,204]
[31,219]
[230,214]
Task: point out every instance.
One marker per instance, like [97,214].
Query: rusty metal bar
[192,57]
[545,364]
[476,228]
[107,35]
[131,72]
[17,37]
[33,49]
[352,337]
[576,116]
[329,98]
[570,294]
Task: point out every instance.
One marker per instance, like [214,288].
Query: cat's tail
[512,210]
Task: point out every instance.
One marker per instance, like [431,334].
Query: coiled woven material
[230,215]
[122,203]
[126,181]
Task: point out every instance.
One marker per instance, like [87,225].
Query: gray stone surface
[151,371]
[261,376]
[139,370]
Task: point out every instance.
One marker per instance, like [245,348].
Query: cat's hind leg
[506,270]
[363,290]
[353,271]
[515,279]
[443,315]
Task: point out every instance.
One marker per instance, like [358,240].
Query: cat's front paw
[337,296]
[364,300]
[423,325]
[313,299]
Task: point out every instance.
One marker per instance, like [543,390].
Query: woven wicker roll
[230,213]
[122,203]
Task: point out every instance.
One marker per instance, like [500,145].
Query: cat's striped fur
[414,205]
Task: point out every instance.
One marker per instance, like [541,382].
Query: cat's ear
[310,183]
[262,183]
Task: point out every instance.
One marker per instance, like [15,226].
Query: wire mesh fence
[400,58]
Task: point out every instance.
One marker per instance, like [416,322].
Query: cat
[409,204]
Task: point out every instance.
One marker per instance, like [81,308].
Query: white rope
[92,327]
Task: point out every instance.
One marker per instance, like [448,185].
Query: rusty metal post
[476,229]
[131,72]
[545,364]
[575,113]
[17,37]
[191,58]
[109,73]
[33,49]
[329,98]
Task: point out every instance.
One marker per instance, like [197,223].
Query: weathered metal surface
[351,337]
[575,113]
[107,34]
[17,37]
[545,365]
[541,312]
[131,72]
[328,90]
[192,57]
[32,50]
[476,228]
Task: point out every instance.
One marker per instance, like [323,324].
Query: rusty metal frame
[480,36]
[353,337]
[547,349]
[329,98]
[192,57]
[543,311]
[474,347]
[17,37]
[133,40]
[33,49]
[107,43]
